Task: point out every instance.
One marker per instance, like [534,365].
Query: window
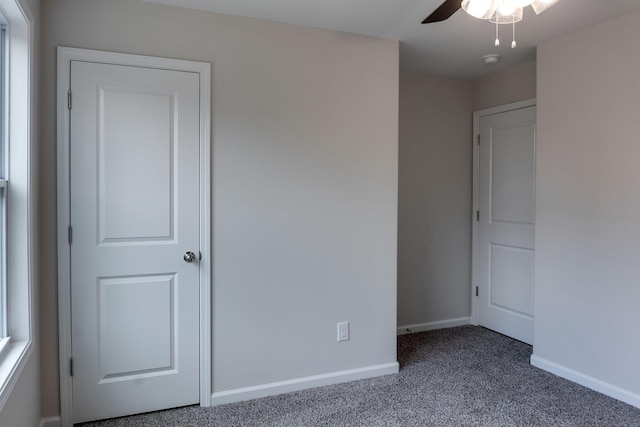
[4,332]
[16,289]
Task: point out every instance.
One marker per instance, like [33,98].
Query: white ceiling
[450,48]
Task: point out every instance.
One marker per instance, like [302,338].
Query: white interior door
[506,224]
[134,200]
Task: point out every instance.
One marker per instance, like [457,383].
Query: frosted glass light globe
[482,9]
[540,6]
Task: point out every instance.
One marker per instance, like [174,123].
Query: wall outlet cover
[343,331]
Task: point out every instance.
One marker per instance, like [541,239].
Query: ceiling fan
[446,9]
[485,9]
[496,11]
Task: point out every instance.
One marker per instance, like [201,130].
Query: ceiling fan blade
[446,9]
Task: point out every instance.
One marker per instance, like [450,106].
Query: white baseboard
[587,381]
[49,422]
[271,389]
[430,326]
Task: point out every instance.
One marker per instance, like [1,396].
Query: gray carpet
[466,376]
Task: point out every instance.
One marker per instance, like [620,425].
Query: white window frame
[19,246]
[4,137]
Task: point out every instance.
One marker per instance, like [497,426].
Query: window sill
[4,344]
[13,359]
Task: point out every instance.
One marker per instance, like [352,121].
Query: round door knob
[189,256]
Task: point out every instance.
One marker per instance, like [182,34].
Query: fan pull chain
[497,43]
[513,43]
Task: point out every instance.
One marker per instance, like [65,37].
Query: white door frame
[477,115]
[65,56]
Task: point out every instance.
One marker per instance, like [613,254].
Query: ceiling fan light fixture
[520,3]
[513,16]
[506,7]
[540,6]
[481,9]
[497,11]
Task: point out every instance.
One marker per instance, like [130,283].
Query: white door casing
[504,223]
[135,190]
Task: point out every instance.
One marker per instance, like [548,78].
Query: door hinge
[70,234]
[477,215]
[199,256]
[69,99]
[478,139]
[476,291]
[71,366]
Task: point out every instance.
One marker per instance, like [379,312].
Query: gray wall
[434,209]
[511,85]
[587,300]
[305,141]
[22,407]
[434,226]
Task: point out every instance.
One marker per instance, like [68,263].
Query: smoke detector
[491,59]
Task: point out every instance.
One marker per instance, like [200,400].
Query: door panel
[147,347]
[122,182]
[511,274]
[512,175]
[134,155]
[506,226]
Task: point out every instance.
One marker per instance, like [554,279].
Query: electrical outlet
[343,331]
